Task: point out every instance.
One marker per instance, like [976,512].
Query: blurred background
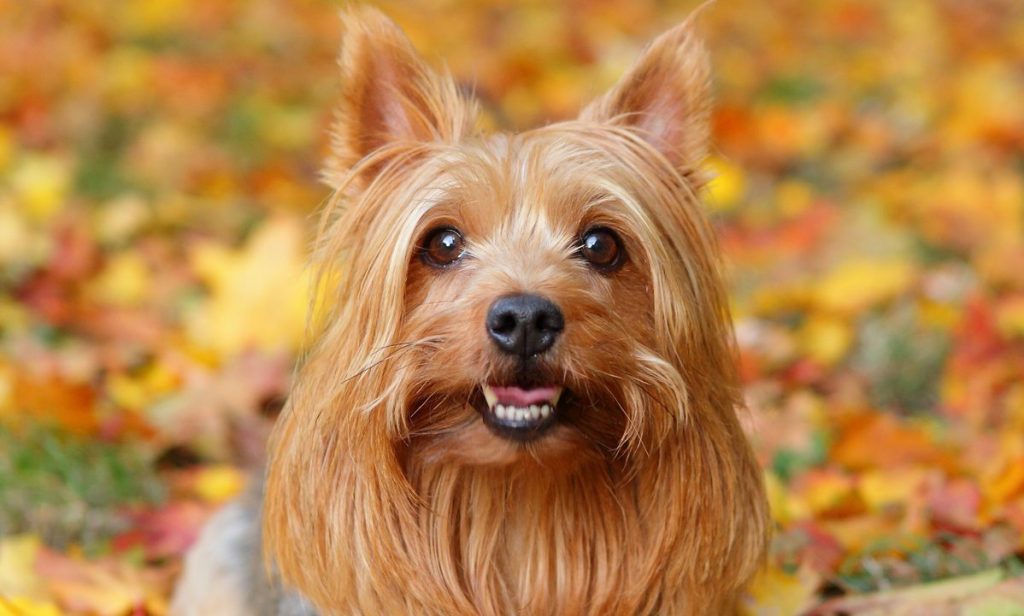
[158,172]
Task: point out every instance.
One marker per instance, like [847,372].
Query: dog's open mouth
[519,413]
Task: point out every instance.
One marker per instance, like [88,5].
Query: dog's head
[508,298]
[535,304]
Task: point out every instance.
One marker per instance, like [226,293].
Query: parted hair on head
[523,398]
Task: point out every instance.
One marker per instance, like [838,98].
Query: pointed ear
[389,96]
[665,97]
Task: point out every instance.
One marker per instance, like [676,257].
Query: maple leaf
[258,294]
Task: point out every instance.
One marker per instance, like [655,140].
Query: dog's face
[551,295]
[529,291]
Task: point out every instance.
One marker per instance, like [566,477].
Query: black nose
[524,325]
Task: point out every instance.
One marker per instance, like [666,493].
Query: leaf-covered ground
[158,164]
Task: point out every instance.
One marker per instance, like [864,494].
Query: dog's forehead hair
[520,191]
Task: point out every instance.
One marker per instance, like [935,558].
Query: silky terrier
[523,398]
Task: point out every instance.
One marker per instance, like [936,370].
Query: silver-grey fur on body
[224,572]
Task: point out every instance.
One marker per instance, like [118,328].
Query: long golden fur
[386,493]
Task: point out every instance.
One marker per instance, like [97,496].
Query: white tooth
[490,396]
[545,410]
[534,411]
[522,414]
[554,398]
[499,410]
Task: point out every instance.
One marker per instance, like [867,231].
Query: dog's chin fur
[386,493]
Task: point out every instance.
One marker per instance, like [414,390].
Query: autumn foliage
[159,166]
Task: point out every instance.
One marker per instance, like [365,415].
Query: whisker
[403,347]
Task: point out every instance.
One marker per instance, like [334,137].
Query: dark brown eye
[602,248]
[442,247]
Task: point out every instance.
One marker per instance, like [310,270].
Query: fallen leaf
[104,587]
[218,484]
[857,285]
[875,440]
[775,592]
[17,567]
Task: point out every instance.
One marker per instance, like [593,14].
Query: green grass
[70,490]
[902,359]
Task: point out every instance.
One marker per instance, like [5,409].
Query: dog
[524,397]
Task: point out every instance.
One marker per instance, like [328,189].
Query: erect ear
[389,96]
[665,97]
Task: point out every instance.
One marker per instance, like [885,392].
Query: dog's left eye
[602,248]
[442,247]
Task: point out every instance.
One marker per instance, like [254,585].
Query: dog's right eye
[442,247]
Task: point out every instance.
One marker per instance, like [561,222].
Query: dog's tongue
[524,397]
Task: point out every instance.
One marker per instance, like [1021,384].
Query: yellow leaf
[882,488]
[6,390]
[856,532]
[777,497]
[40,185]
[773,299]
[777,593]
[6,147]
[825,339]
[1005,483]
[288,127]
[793,197]
[216,484]
[142,390]
[23,606]
[126,392]
[125,281]
[159,379]
[1014,408]
[938,314]
[561,90]
[18,577]
[823,490]
[860,284]
[126,72]
[1010,316]
[728,186]
[20,241]
[153,16]
[259,294]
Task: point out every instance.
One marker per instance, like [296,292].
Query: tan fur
[385,493]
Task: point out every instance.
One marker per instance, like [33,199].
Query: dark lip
[521,431]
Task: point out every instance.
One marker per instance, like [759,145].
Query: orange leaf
[874,440]
[52,399]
